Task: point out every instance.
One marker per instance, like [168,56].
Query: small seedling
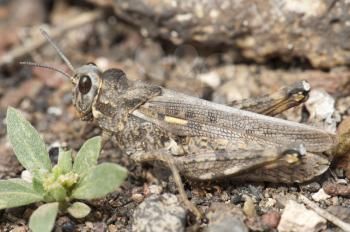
[57,186]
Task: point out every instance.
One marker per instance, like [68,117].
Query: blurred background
[219,50]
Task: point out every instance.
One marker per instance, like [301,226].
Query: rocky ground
[217,68]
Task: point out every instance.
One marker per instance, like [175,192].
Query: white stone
[270,202]
[211,78]
[297,218]
[159,213]
[56,111]
[320,104]
[155,189]
[321,195]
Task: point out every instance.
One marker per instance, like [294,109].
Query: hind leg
[277,102]
[207,165]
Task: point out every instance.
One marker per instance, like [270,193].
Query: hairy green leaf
[87,156]
[103,179]
[79,210]
[43,218]
[17,192]
[38,186]
[65,161]
[29,147]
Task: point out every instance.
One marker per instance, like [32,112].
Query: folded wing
[189,116]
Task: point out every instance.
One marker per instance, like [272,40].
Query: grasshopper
[200,139]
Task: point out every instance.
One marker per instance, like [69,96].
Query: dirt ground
[88,33]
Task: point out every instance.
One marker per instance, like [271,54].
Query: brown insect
[200,139]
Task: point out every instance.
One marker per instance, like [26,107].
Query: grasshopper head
[87,80]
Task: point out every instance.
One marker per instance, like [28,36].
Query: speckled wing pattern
[189,116]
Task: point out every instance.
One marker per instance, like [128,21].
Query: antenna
[58,50]
[45,66]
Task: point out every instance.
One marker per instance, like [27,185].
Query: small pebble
[321,107]
[155,189]
[335,201]
[335,189]
[249,207]
[89,225]
[66,224]
[100,227]
[225,217]
[270,203]
[297,218]
[112,228]
[224,196]
[159,213]
[256,191]
[228,224]
[281,201]
[320,195]
[69,226]
[339,172]
[310,187]
[271,219]
[137,197]
[320,104]
[236,199]
[56,111]
[211,78]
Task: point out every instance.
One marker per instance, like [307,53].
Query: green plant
[57,185]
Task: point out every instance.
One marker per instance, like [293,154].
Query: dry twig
[323,213]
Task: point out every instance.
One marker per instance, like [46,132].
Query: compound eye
[84,85]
